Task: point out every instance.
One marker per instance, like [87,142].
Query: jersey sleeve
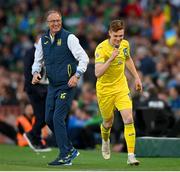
[99,55]
[126,50]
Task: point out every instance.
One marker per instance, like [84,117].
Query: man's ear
[109,33]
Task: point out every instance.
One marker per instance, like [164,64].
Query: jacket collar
[58,34]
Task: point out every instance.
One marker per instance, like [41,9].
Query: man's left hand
[73,81]
[138,85]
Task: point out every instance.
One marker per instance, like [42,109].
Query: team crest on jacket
[59,42]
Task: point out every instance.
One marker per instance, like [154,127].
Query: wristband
[78,74]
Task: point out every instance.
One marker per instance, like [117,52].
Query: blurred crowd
[152,28]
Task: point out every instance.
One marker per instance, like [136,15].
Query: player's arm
[131,67]
[100,68]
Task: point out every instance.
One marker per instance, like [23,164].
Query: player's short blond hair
[116,25]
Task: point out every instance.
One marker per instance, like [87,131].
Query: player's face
[116,37]
[54,22]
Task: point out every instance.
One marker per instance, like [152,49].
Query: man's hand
[114,54]
[36,78]
[138,85]
[73,81]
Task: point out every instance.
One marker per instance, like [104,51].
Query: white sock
[130,154]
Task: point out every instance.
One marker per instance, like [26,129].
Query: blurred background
[153,30]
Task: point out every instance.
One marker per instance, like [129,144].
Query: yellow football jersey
[114,79]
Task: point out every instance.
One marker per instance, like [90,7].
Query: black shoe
[61,161]
[37,147]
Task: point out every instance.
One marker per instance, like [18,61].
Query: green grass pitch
[24,159]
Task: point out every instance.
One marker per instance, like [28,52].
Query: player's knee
[129,120]
[107,124]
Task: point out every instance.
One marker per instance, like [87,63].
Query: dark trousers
[58,104]
[38,101]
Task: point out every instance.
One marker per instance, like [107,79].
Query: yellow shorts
[107,104]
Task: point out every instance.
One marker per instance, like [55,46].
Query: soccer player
[111,57]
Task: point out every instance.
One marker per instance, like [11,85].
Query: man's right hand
[114,54]
[36,78]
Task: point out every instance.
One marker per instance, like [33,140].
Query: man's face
[116,37]
[54,22]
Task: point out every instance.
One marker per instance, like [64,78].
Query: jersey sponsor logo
[63,95]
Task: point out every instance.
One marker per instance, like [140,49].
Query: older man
[65,62]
